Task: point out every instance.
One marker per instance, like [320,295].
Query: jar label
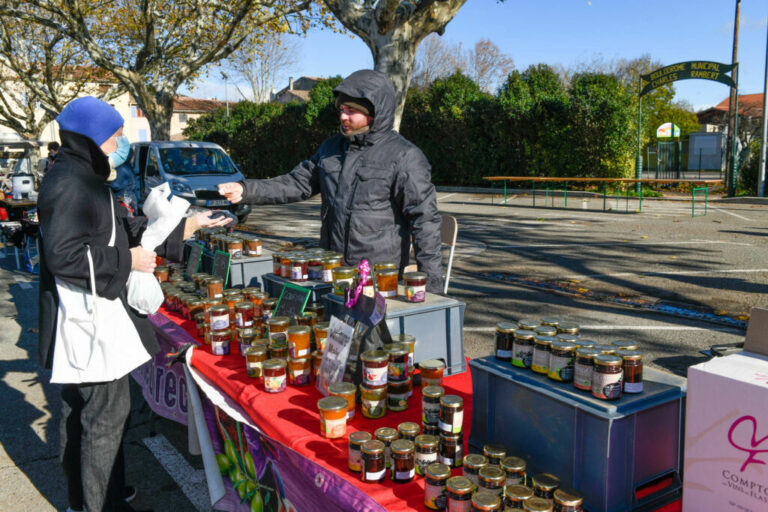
[397,402]
[254,252]
[390,293]
[315,272]
[254,370]
[300,377]
[582,376]
[373,475]
[560,368]
[404,475]
[278,336]
[235,253]
[327,275]
[633,387]
[434,496]
[430,413]
[459,505]
[219,348]
[242,320]
[397,371]
[503,354]
[296,272]
[321,344]
[335,428]
[274,384]
[422,460]
[219,322]
[375,377]
[355,460]
[607,385]
[411,366]
[416,293]
[368,291]
[455,426]
[375,408]
[540,361]
[522,355]
[296,353]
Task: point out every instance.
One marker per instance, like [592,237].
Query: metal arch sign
[706,70]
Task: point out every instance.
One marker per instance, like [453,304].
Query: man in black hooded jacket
[375,185]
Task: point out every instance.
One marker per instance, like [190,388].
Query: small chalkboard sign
[221,261]
[194,259]
[292,300]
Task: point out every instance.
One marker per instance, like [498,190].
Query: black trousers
[94,418]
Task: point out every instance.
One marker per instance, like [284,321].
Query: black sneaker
[129,493]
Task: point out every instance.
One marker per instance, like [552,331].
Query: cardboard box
[726,435]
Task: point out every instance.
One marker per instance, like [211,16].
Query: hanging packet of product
[337,345]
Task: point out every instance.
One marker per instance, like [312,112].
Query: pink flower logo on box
[756,446]
[762,378]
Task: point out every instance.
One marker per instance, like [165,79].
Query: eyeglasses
[348,110]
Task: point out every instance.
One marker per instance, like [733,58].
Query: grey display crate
[243,272]
[437,323]
[605,450]
[273,285]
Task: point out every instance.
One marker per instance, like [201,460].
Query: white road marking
[631,328]
[449,195]
[191,481]
[672,273]
[617,243]
[23,283]
[730,213]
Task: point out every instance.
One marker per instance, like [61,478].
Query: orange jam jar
[252,246]
[215,287]
[432,372]
[274,375]
[277,327]
[330,263]
[299,371]
[321,334]
[254,358]
[161,273]
[386,281]
[347,391]
[317,360]
[333,417]
[298,340]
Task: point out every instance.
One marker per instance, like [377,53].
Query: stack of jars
[237,245]
[307,265]
[553,348]
[388,448]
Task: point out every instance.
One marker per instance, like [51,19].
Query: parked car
[192,169]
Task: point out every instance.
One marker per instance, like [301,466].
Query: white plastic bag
[163,215]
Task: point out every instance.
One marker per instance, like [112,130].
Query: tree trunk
[157,107]
[394,54]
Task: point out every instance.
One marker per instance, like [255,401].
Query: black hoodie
[375,188]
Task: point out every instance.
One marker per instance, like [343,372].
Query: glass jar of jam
[215,287]
[317,308]
[220,342]
[584,367]
[386,435]
[218,317]
[409,341]
[373,402]
[342,275]
[373,467]
[551,320]
[491,478]
[274,371]
[537,504]
[278,349]
[514,468]
[253,246]
[161,273]
[624,345]
[522,348]
[200,323]
[505,333]
[321,334]
[299,371]
[255,295]
[354,456]
[432,372]
[267,307]
[317,361]
[330,263]
[608,377]
[244,314]
[568,500]
[277,327]
[471,464]
[494,453]
[235,247]
[299,269]
[483,501]
[194,307]
[384,265]
[197,278]
[544,485]
[386,281]
[426,452]
[435,477]
[368,289]
[432,430]
[277,259]
[285,264]
[347,391]
[397,395]
[430,405]
[309,319]
[254,358]
[408,430]
[633,370]
[451,449]
[458,490]
[298,339]
[568,328]
[315,267]
[397,369]
[415,286]
[375,368]
[561,361]
[451,418]
[333,417]
[542,346]
[515,495]
[403,463]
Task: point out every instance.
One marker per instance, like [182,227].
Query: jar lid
[269,301]
[492,473]
[409,428]
[625,345]
[550,320]
[570,338]
[332,403]
[568,497]
[302,361]
[279,320]
[346,271]
[300,259]
[568,327]
[258,294]
[196,303]
[359,437]
[545,482]
[309,314]
[517,492]
[278,343]
[256,350]
[374,356]
[528,323]
[388,272]
[219,308]
[486,500]
[438,470]
[546,330]
[513,463]
[376,392]
[590,353]
[402,446]
[232,291]
[630,355]
[433,391]
[608,360]
[215,280]
[222,332]
[460,485]
[415,276]
[451,401]
[396,349]
[243,305]
[342,388]
[384,265]
[537,504]
[212,301]
[407,338]
[431,364]
[297,329]
[454,438]
[373,446]
[427,441]
[496,451]
[543,340]
[524,334]
[274,364]
[322,326]
[506,327]
[605,349]
[386,434]
[586,343]
[246,332]
[200,317]
[264,342]
[564,346]
[331,259]
[475,461]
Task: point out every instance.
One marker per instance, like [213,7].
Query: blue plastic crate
[606,450]
[243,272]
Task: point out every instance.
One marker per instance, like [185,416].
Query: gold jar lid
[475,461]
[279,320]
[232,291]
[433,391]
[546,330]
[586,343]
[396,349]
[630,355]
[545,482]
[219,309]
[513,464]
[359,437]
[322,326]
[544,341]
[211,301]
[537,504]
[438,471]
[372,447]
[587,353]
[568,497]
[605,349]
[431,365]
[415,276]
[568,327]
[260,342]
[384,265]
[243,305]
[374,356]
[215,280]
[495,451]
[373,392]
[256,350]
[528,324]
[506,327]
[550,320]
[486,501]
[332,259]
[402,446]
[492,473]
[409,428]
[269,302]
[460,485]
[386,434]
[563,346]
[273,364]
[608,360]
[451,401]
[517,493]
[342,388]
[523,334]
[296,329]
[343,272]
[259,295]
[570,338]
[332,403]
[405,338]
[624,345]
[427,441]
[387,272]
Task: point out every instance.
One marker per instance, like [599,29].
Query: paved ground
[512,261]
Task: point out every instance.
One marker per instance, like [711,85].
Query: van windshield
[196,161]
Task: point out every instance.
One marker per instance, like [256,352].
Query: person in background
[75,208]
[375,185]
[44,163]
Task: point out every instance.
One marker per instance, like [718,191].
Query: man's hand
[232,191]
[143,260]
[203,220]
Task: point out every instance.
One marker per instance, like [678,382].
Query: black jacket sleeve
[299,184]
[172,248]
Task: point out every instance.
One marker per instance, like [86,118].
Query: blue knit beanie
[92,117]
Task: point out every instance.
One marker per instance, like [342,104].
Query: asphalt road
[618,274]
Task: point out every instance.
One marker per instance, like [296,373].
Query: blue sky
[574,32]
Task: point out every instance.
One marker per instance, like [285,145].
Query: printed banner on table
[164,388]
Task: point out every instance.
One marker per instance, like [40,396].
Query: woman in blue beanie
[78,211]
